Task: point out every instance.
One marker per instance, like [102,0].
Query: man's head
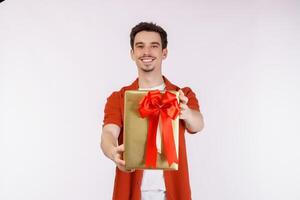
[148,46]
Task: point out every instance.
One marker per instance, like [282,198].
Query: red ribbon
[153,106]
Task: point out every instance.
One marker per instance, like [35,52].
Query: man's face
[147,51]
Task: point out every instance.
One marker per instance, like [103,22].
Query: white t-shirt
[154,179]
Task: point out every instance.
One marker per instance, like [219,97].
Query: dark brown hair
[151,27]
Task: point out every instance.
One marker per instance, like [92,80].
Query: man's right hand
[109,145]
[117,157]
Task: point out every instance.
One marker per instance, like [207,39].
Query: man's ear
[165,53]
[131,54]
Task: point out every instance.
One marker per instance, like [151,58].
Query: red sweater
[127,185]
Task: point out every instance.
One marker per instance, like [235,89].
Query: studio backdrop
[60,60]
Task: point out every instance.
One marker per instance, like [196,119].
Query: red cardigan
[127,185]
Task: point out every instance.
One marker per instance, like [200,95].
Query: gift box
[144,113]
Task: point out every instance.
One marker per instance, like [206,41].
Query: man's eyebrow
[156,43]
[138,43]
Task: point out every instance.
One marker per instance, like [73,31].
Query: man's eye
[154,46]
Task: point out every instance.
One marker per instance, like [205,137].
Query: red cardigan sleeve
[112,110]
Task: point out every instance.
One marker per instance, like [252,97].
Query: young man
[148,50]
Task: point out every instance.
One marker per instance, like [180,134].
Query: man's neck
[150,81]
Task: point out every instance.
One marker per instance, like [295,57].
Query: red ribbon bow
[153,106]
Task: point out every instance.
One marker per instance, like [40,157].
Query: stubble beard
[146,69]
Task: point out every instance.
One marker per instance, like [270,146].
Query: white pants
[154,195]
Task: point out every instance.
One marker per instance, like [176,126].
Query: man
[148,50]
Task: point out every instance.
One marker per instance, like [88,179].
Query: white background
[59,60]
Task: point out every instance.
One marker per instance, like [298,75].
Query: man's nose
[147,51]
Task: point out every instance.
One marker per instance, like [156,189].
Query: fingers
[121,165]
[117,155]
[120,148]
[123,169]
[183,106]
[119,161]
[181,116]
[182,97]
[180,92]
[184,111]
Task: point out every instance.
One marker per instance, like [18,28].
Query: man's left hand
[185,111]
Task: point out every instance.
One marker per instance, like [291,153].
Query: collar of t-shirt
[159,87]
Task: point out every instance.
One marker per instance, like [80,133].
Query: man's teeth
[147,60]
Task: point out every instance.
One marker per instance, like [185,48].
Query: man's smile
[147,59]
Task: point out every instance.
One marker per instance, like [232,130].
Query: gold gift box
[135,134]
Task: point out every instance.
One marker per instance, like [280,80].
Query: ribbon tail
[168,139]
[151,149]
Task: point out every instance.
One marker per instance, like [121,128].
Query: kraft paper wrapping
[135,134]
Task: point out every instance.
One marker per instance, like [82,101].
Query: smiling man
[148,49]
[148,52]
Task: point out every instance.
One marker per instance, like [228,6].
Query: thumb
[180,92]
[120,148]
